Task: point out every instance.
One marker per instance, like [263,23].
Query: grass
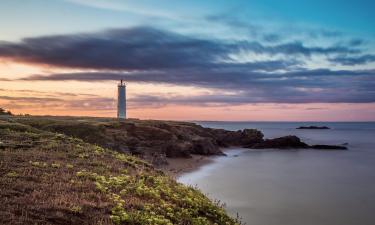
[50,178]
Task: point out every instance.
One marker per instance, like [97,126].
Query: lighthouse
[121,100]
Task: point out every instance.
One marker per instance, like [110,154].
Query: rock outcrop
[157,140]
[282,142]
[313,127]
[329,147]
[292,142]
[149,139]
[243,138]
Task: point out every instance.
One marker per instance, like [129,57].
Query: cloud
[54,103]
[315,33]
[144,54]
[302,86]
[45,93]
[271,37]
[353,60]
[234,22]
[298,48]
[145,48]
[140,48]
[29,99]
[128,7]
[288,95]
[208,77]
[315,108]
[356,42]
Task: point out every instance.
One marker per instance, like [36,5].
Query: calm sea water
[296,187]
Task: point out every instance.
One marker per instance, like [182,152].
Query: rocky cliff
[156,140]
[52,178]
[149,139]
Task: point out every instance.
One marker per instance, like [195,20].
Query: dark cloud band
[144,54]
[144,48]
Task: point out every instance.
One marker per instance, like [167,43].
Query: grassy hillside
[152,140]
[51,178]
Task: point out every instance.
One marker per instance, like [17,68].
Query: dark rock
[205,147]
[244,137]
[329,147]
[138,150]
[292,142]
[178,149]
[251,136]
[314,127]
[282,142]
[123,149]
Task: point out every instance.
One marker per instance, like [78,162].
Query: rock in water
[289,142]
[205,147]
[281,142]
[329,147]
[314,127]
[244,137]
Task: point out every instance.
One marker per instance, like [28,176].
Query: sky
[253,60]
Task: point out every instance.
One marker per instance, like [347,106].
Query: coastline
[178,166]
[266,186]
[53,178]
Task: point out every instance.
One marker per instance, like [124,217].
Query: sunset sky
[263,60]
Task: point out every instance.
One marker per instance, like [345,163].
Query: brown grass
[40,184]
[44,194]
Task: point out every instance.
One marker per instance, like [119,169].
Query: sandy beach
[178,166]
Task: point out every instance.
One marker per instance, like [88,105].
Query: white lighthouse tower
[121,100]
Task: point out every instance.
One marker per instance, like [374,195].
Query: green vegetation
[50,178]
[152,140]
[12,174]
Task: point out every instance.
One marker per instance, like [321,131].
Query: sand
[178,166]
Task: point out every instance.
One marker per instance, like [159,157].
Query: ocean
[295,187]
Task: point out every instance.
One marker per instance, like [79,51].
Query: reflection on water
[309,187]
